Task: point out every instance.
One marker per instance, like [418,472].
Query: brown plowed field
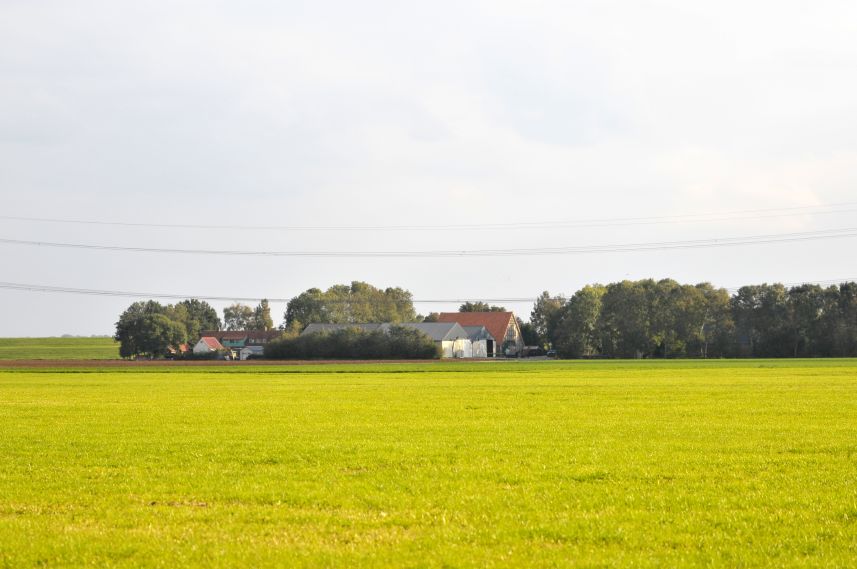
[204,363]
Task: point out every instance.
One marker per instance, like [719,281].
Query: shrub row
[356,344]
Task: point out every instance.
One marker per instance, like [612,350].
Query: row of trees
[663,318]
[643,318]
[354,343]
[151,329]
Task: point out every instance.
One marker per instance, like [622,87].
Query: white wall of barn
[460,348]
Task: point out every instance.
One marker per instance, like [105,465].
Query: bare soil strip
[204,363]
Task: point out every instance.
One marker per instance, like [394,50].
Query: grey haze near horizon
[391,113]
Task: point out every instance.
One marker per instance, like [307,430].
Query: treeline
[356,344]
[666,319]
[152,329]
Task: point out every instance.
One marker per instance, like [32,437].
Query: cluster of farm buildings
[457,334]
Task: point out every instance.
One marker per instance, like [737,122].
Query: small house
[208,345]
[181,350]
[248,352]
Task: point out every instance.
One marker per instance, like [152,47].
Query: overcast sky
[404,113]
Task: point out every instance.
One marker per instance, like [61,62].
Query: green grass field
[58,349]
[613,464]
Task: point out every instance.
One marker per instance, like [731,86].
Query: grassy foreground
[725,464]
[58,349]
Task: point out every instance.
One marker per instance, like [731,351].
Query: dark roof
[476,333]
[438,331]
[495,322]
[225,335]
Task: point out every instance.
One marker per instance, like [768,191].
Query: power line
[536,251]
[734,215]
[167,296]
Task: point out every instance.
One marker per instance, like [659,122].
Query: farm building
[207,345]
[452,339]
[237,339]
[181,350]
[251,351]
[482,341]
[506,338]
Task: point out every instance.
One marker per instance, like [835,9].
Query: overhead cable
[514,252]
[170,296]
[735,215]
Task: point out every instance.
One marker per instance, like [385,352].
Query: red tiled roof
[212,343]
[495,322]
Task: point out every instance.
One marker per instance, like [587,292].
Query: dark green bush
[355,344]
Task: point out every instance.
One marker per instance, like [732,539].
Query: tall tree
[529,334]
[772,317]
[262,316]
[577,333]
[546,314]
[356,303]
[805,309]
[308,307]
[717,327]
[129,328]
[200,316]
[845,331]
[238,317]
[158,333]
[145,329]
[746,305]
[625,325]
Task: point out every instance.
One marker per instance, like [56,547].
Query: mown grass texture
[725,464]
[58,349]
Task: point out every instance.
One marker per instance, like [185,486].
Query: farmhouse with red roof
[208,345]
[503,326]
[237,339]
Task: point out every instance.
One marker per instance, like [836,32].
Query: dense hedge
[218,355]
[356,344]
